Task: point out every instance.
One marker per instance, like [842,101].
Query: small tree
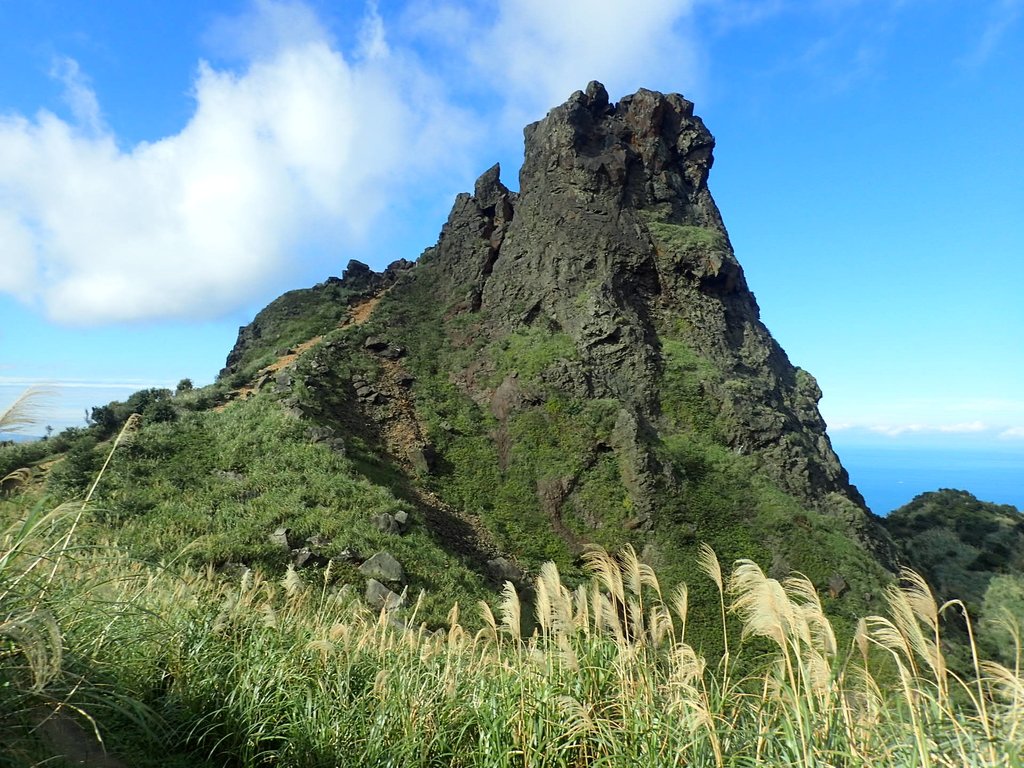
[160,410]
[185,385]
[105,419]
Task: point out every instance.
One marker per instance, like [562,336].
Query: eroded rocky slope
[582,361]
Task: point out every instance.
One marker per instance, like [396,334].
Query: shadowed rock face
[615,240]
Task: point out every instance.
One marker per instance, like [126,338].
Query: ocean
[890,477]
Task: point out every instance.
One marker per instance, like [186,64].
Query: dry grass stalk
[707,561]
[24,412]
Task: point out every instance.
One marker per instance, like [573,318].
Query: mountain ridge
[606,286]
[580,363]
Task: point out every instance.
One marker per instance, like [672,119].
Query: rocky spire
[614,239]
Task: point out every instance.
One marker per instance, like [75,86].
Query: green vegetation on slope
[211,487]
[682,237]
[970,550]
[289,320]
[539,469]
[542,471]
[511,467]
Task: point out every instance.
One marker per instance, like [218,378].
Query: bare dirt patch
[405,438]
[358,314]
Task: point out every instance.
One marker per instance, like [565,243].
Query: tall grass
[34,546]
[257,671]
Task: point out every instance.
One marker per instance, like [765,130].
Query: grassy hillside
[471,434]
[126,615]
[971,550]
[185,667]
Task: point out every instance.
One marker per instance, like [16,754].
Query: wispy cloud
[532,54]
[897,430]
[546,50]
[78,94]
[894,430]
[133,385]
[1003,15]
[373,42]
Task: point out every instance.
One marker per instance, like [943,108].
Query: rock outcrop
[586,363]
[615,240]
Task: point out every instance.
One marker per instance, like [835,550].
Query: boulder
[380,597]
[383,566]
[350,555]
[385,523]
[837,585]
[398,523]
[502,569]
[307,558]
[320,434]
[316,542]
[423,458]
[281,538]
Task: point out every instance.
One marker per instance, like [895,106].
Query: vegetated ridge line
[358,314]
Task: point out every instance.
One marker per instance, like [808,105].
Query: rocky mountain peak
[648,149]
[615,242]
[586,357]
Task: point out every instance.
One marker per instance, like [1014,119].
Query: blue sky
[168,169]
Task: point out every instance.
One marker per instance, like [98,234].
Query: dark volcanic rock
[615,241]
[582,362]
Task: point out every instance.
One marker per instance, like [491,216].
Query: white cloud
[925,413]
[895,430]
[890,429]
[372,39]
[17,256]
[302,144]
[264,28]
[22,383]
[78,94]
[539,52]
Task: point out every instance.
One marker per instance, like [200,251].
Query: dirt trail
[358,314]
[361,312]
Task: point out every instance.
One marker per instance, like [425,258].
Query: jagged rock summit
[582,361]
[615,240]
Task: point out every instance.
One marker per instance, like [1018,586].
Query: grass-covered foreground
[191,668]
[172,664]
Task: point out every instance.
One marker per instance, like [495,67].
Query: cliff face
[583,361]
[615,240]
